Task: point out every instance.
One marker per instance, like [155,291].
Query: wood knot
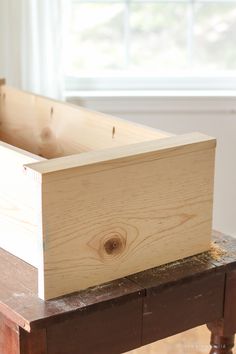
[114,246]
[112,242]
[46,134]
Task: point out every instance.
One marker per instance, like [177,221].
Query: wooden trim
[124,155]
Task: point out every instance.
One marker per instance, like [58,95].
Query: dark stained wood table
[125,314]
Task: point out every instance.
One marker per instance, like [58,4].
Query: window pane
[167,37]
[96,37]
[159,36]
[215,36]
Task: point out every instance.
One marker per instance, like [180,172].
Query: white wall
[215,116]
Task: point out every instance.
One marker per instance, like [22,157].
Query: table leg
[9,337]
[221,342]
[34,342]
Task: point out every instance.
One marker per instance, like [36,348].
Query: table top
[18,285]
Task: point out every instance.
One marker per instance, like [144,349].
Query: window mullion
[190,33]
[127,34]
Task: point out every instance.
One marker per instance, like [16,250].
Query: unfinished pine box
[88,198]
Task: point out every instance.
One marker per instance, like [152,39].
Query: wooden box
[88,198]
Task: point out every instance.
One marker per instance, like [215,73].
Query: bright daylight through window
[151,43]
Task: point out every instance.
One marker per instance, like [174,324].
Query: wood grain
[19,300]
[116,198]
[51,129]
[20,205]
[34,342]
[124,155]
[9,337]
[107,329]
[108,319]
[230,305]
[221,342]
[204,299]
[103,222]
[95,320]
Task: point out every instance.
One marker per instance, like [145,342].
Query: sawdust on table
[216,252]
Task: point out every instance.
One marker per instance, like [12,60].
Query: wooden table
[124,314]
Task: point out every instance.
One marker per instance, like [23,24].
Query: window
[151,44]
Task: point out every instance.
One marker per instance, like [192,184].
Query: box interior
[52,129]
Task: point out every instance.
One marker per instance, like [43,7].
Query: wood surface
[15,340]
[20,205]
[51,129]
[188,298]
[179,303]
[33,343]
[9,337]
[119,216]
[121,330]
[156,302]
[125,155]
[120,207]
[221,342]
[230,303]
[20,303]
[110,319]
[203,299]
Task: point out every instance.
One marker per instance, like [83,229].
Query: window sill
[151,93]
[115,102]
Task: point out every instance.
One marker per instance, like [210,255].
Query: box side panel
[53,129]
[105,224]
[20,205]
[121,156]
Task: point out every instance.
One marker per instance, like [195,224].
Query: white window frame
[124,81]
